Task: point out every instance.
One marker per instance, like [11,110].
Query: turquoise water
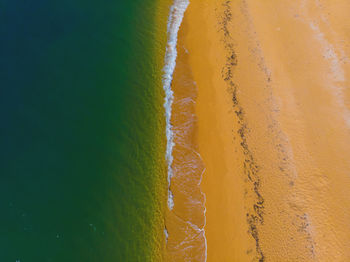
[82,140]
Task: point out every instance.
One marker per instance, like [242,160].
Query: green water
[82,140]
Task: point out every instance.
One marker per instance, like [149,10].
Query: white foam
[176,15]
[166,235]
[177,12]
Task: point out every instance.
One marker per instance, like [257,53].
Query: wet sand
[270,118]
[185,222]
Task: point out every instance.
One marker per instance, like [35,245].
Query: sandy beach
[262,123]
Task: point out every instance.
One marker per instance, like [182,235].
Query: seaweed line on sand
[255,212]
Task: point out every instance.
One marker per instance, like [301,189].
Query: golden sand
[270,118]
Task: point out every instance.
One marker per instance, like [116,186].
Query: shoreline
[175,17]
[185,218]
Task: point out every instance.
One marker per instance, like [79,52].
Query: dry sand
[269,114]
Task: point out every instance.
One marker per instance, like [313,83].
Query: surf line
[177,11]
[176,14]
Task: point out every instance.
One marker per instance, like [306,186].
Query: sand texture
[262,112]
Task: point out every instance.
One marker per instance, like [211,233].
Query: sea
[83,172]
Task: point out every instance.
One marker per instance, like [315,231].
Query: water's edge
[177,11]
[176,14]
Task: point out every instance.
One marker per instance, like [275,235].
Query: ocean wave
[177,12]
[187,168]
